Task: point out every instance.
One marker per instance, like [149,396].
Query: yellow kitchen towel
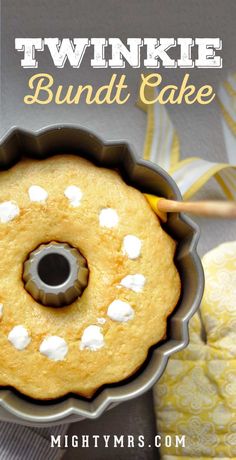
[162,145]
[196,395]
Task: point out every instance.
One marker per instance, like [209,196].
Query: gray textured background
[199,127]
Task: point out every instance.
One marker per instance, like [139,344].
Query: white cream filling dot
[74,195]
[8,211]
[19,337]
[108,217]
[92,338]
[54,348]
[1,310]
[37,194]
[120,311]
[131,246]
[134,282]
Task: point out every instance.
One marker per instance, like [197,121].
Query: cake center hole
[54,269]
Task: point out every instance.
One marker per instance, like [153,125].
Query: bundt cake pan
[148,178]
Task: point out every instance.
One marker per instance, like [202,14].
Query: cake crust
[126,343]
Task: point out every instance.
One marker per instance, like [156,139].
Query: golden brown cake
[104,335]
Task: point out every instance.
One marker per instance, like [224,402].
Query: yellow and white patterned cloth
[196,396]
[162,145]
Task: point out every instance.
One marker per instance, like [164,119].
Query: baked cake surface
[104,336]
